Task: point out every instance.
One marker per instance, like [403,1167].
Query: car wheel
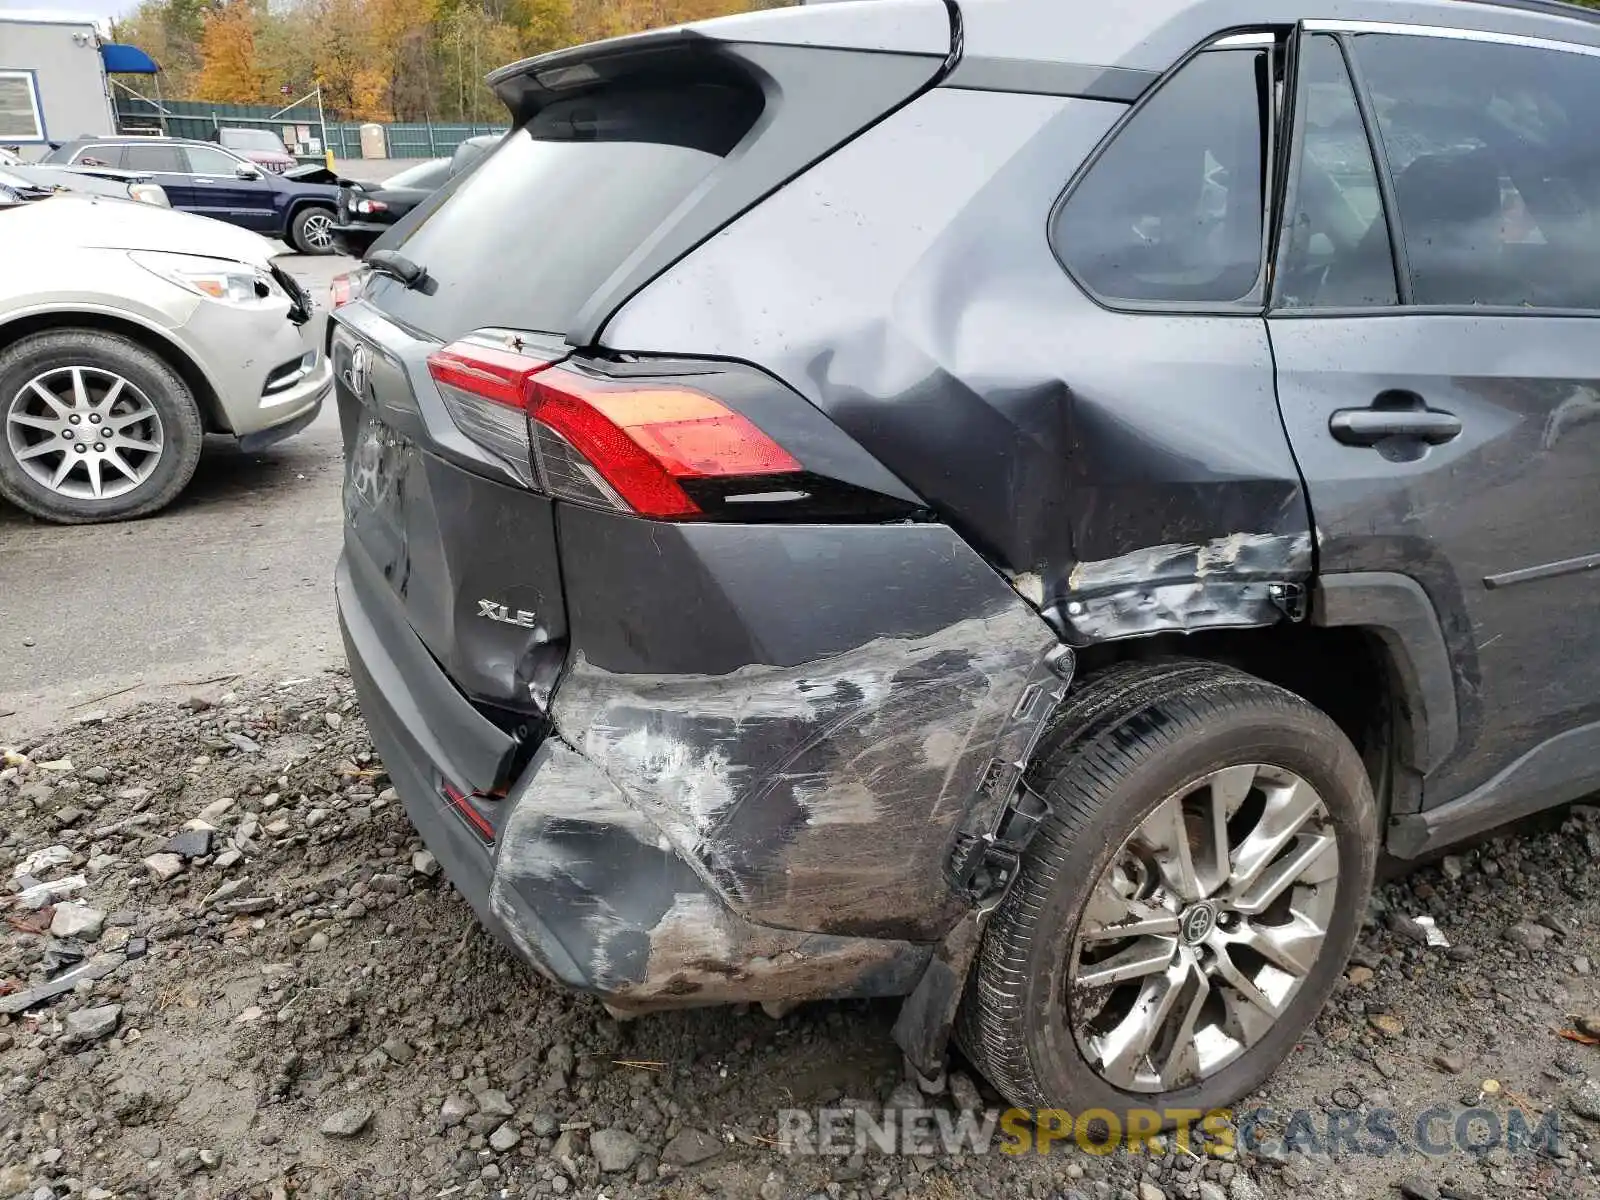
[93,427]
[311,230]
[1187,905]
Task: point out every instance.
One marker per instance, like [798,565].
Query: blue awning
[127,60]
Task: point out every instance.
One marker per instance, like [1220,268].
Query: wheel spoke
[50,398]
[1112,915]
[40,448]
[114,457]
[1182,1061]
[1313,859]
[1228,971]
[1145,956]
[1288,807]
[122,420]
[63,470]
[1246,1020]
[92,463]
[121,441]
[80,391]
[111,395]
[1225,791]
[1167,837]
[1290,947]
[49,424]
[1125,1047]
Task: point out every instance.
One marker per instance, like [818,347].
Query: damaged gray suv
[1007,505]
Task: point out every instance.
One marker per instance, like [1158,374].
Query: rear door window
[1171,212]
[524,239]
[1335,251]
[1492,150]
[162,159]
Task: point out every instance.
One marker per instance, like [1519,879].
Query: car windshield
[252,139]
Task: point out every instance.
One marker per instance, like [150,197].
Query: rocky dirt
[263,988]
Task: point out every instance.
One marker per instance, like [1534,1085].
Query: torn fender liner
[595,895]
[823,797]
[1225,582]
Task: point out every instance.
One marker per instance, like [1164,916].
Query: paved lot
[234,577]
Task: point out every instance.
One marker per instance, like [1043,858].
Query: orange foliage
[229,69]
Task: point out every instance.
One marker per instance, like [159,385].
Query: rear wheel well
[1344,671]
[211,416]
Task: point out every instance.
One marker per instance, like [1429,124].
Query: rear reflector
[461,804]
[623,444]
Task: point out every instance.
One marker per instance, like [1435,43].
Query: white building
[52,80]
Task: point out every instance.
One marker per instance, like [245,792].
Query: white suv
[127,332]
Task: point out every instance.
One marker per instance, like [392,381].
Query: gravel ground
[266,990]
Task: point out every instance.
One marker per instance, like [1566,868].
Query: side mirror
[246,171]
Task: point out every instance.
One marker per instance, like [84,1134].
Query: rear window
[534,229]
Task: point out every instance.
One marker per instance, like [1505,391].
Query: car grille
[299,302]
[275,168]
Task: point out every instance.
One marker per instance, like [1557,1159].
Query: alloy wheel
[86,433]
[317,229]
[1202,928]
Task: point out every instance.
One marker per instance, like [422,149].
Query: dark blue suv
[204,178]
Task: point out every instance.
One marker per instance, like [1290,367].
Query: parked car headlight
[215,278]
[149,193]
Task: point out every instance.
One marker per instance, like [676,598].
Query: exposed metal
[1202,928]
[84,432]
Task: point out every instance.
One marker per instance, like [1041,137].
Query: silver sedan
[127,333]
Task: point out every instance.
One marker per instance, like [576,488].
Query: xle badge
[499,612]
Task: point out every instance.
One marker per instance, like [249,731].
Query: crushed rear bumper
[574,878]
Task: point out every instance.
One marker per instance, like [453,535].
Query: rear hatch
[623,156]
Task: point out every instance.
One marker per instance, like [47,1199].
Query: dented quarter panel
[1133,465]
[853,684]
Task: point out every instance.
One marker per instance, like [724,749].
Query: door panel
[1441,437]
[220,193]
[1517,489]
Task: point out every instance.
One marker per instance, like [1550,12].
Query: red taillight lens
[629,445]
[339,291]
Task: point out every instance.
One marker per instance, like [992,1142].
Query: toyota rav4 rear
[745,456]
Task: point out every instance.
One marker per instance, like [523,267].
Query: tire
[169,428]
[1130,740]
[306,230]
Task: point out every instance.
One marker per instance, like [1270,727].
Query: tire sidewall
[166,391]
[1299,744]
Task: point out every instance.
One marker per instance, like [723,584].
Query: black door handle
[1394,415]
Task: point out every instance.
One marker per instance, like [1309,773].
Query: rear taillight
[625,444]
[339,291]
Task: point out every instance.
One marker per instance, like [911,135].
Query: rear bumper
[575,878]
[356,237]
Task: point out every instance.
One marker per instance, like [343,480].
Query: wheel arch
[299,204]
[1371,655]
[142,333]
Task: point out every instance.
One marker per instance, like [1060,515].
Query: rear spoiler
[914,27]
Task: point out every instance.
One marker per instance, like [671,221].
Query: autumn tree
[409,60]
[229,69]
